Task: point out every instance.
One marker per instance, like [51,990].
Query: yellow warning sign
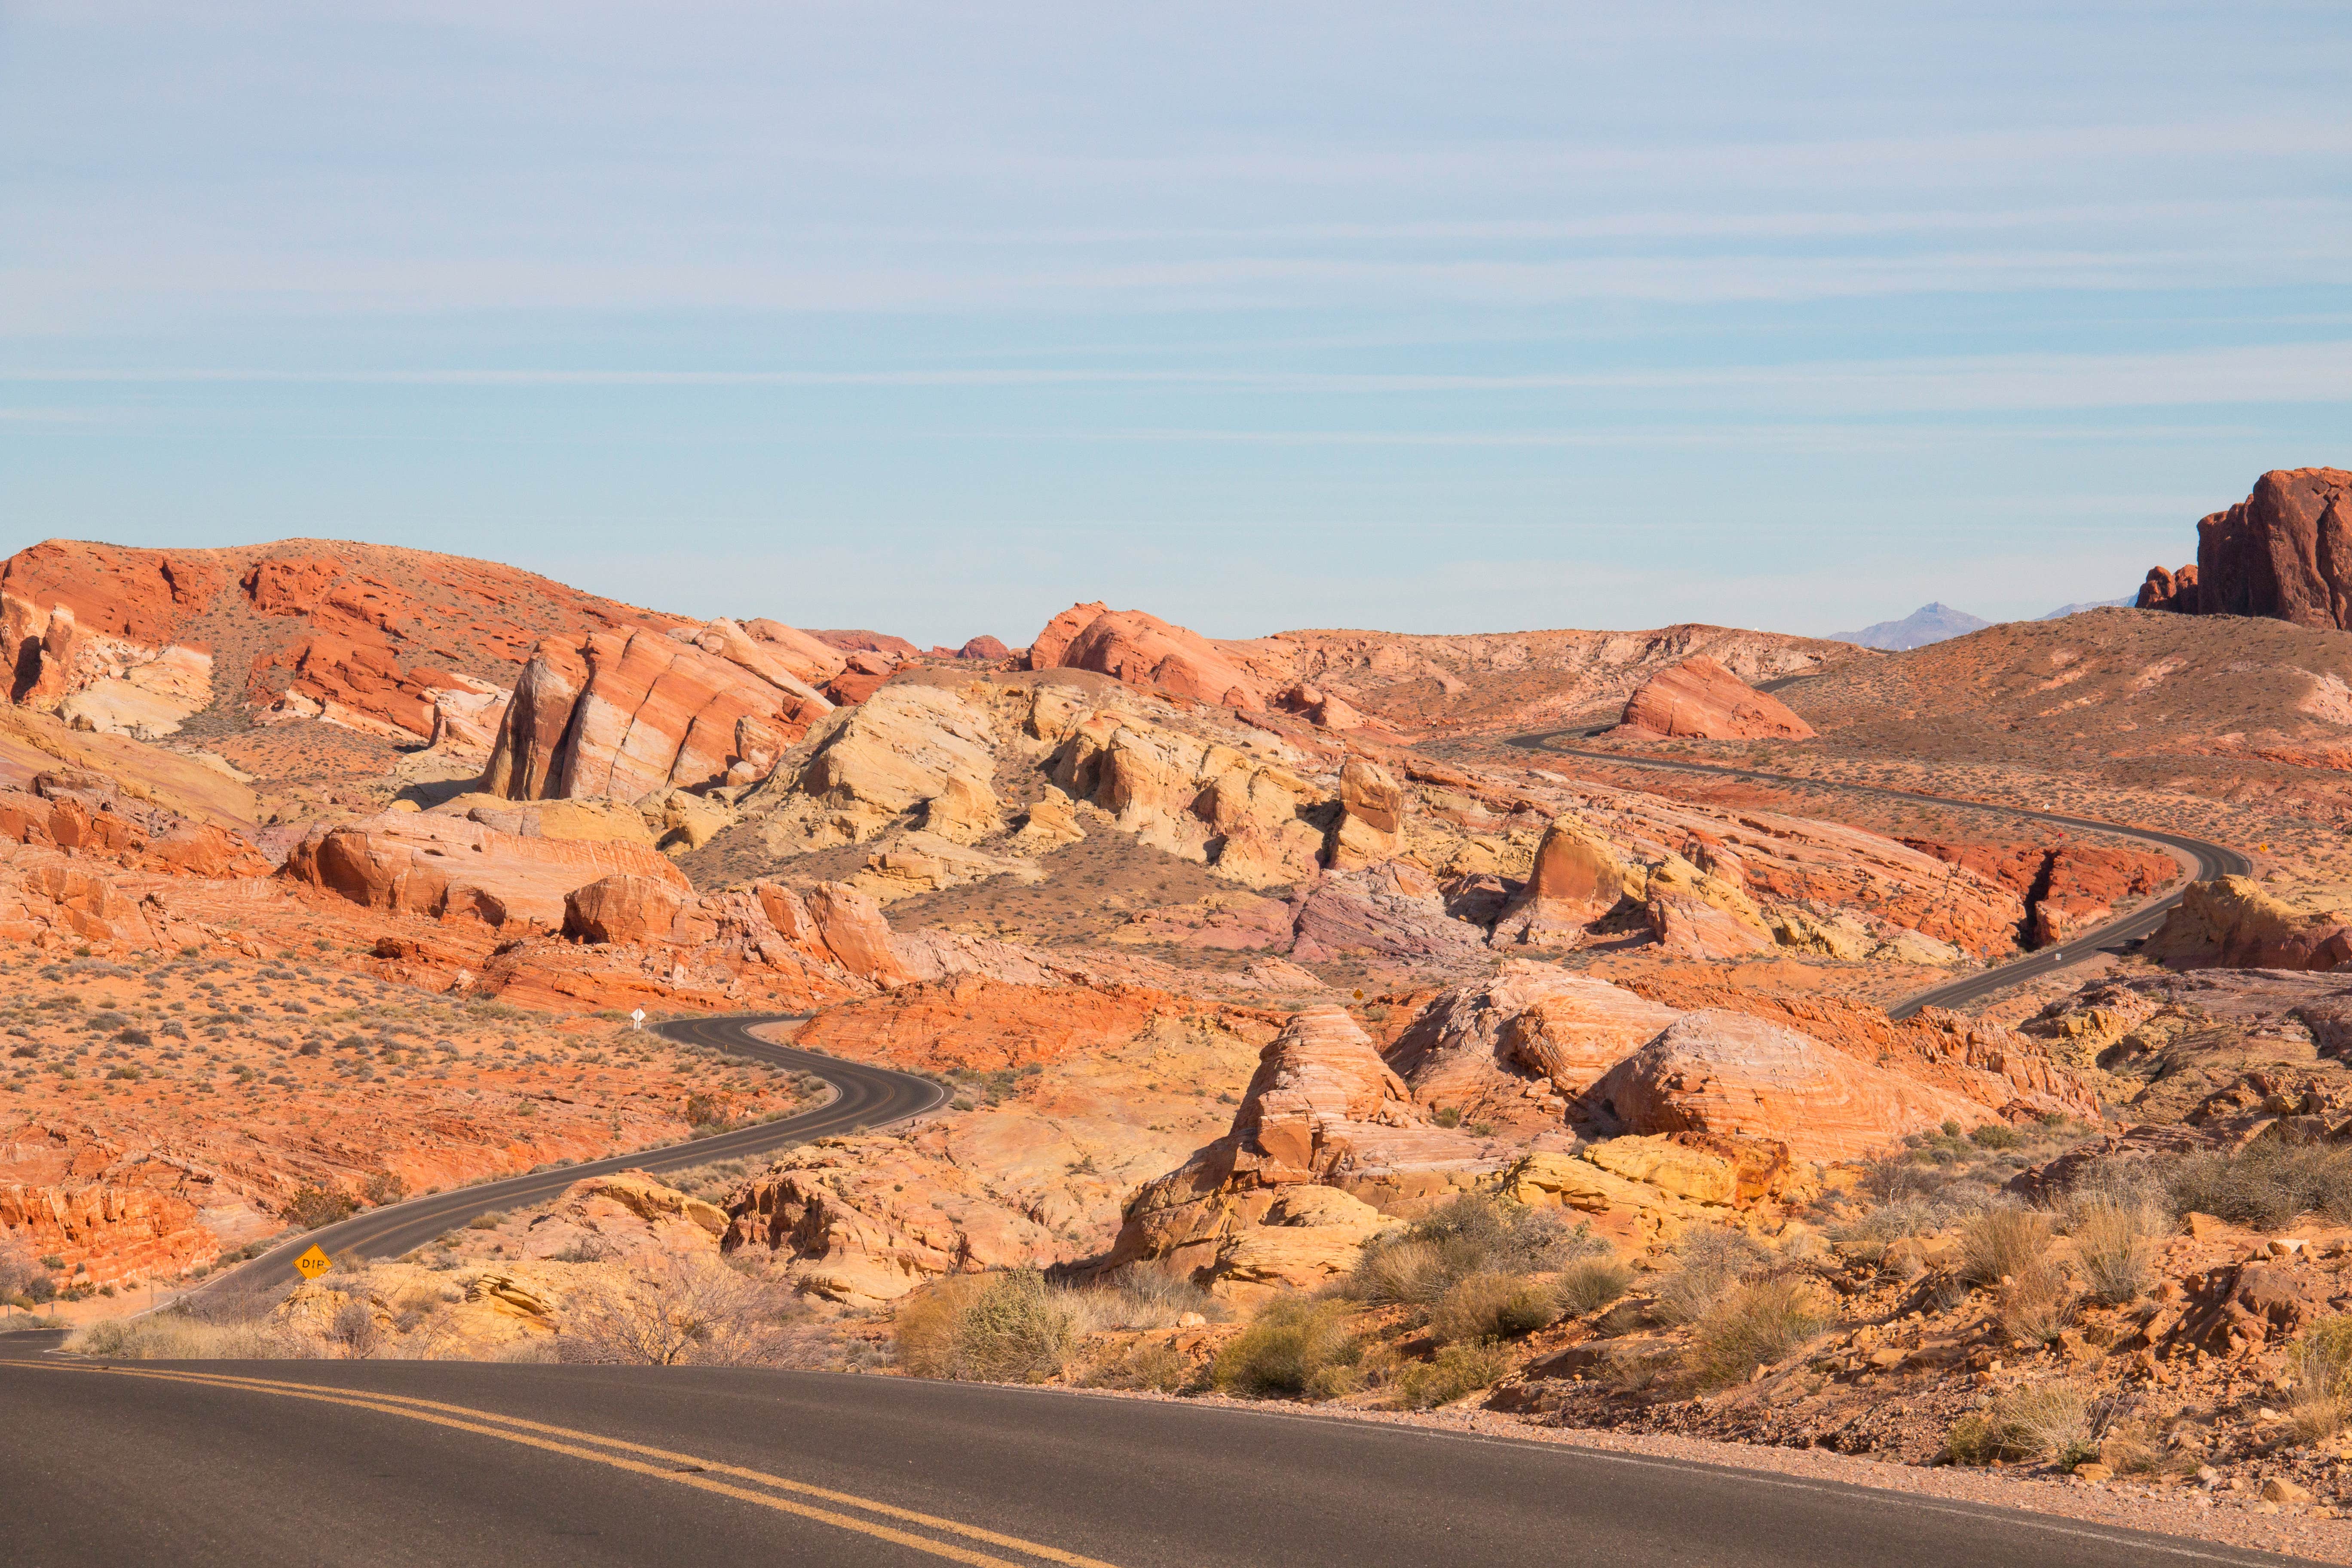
[313,1263]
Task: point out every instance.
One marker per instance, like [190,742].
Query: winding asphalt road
[396,1463]
[864,1097]
[2200,859]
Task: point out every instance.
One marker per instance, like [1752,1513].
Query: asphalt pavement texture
[182,1463]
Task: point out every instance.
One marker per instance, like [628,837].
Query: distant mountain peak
[1930,622]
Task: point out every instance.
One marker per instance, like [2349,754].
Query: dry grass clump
[173,1336]
[1492,1305]
[1590,1284]
[2048,1421]
[923,1332]
[1476,1232]
[2323,1378]
[1146,1363]
[1138,1298]
[1866,1237]
[2115,1239]
[1750,1326]
[1457,1369]
[2264,1185]
[1709,1264]
[2002,1242]
[1292,1347]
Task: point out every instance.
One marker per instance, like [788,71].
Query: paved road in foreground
[864,1097]
[2209,860]
[394,1463]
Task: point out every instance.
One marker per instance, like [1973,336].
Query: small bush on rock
[1711,1262]
[311,1207]
[2048,1421]
[2002,1242]
[1018,1328]
[1292,1347]
[2116,1242]
[2323,1378]
[1459,1370]
[1751,1325]
[1490,1305]
[2266,1184]
[1591,1284]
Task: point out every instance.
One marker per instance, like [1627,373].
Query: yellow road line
[428,1411]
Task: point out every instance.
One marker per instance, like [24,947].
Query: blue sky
[1470,317]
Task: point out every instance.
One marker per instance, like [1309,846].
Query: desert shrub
[1590,1284]
[353,1330]
[1399,1272]
[2047,1422]
[1709,1263]
[2002,1242]
[923,1332]
[1018,1328]
[1154,1298]
[2116,1243]
[311,1207]
[19,1274]
[1481,1230]
[2034,1304]
[676,1311]
[1459,1370]
[491,1221]
[1750,1325]
[1292,1347]
[383,1187]
[2266,1184]
[1867,1236]
[1492,1305]
[2323,1378]
[1145,1363]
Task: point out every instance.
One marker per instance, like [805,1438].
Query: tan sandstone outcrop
[1322,1109]
[1528,1042]
[1576,881]
[2232,923]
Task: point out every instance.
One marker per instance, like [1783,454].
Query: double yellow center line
[757,1487]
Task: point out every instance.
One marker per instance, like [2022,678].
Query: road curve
[864,1097]
[394,1463]
[2203,861]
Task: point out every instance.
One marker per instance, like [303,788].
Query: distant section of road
[2199,860]
[864,1097]
[359,1464]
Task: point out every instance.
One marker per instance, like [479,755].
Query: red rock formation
[417,864]
[1045,652]
[1523,1045]
[624,716]
[985,647]
[1727,1072]
[977,1024]
[1142,649]
[2173,591]
[857,641]
[2285,551]
[1700,699]
[622,909]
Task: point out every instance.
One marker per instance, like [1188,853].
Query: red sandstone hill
[373,634]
